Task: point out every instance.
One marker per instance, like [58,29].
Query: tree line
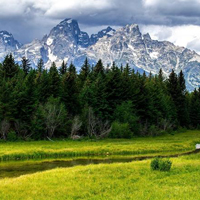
[117,102]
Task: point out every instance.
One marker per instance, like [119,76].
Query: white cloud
[186,36]
[150,2]
[50,7]
[19,7]
[77,7]
[13,7]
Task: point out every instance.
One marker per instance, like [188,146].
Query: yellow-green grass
[120,181]
[161,145]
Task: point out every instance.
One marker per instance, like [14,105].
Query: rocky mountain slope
[127,45]
[7,44]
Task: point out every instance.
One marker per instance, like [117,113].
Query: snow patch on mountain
[154,55]
[49,41]
[195,58]
[52,58]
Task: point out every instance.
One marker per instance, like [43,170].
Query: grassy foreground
[161,145]
[133,180]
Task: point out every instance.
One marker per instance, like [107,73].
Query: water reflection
[15,169]
[18,168]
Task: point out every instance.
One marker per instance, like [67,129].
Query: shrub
[198,127]
[12,136]
[125,113]
[181,130]
[153,130]
[155,164]
[120,130]
[165,165]
[161,164]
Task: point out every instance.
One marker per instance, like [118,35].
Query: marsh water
[15,169]
[18,168]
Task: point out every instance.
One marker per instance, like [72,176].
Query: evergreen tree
[181,82]
[87,94]
[177,90]
[114,90]
[26,66]
[172,87]
[63,68]
[7,107]
[9,67]
[43,86]
[85,71]
[126,83]
[72,70]
[195,109]
[100,103]
[99,68]
[154,101]
[141,97]
[69,94]
[182,111]
[127,70]
[25,97]
[40,70]
[40,66]
[125,113]
[54,81]
[160,76]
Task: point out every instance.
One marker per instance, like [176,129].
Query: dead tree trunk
[4,128]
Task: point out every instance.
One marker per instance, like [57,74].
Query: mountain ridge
[67,42]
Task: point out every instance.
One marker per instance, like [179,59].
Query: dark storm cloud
[157,12]
[175,7]
[174,12]
[29,19]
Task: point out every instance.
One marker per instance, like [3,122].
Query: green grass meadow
[134,180]
[160,145]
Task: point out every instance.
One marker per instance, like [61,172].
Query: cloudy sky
[177,21]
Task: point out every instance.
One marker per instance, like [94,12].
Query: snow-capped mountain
[7,44]
[127,45]
[64,42]
[105,32]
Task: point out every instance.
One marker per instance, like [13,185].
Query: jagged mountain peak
[131,26]
[8,38]
[68,20]
[147,36]
[3,32]
[105,32]
[131,29]
[108,31]
[65,27]
[8,44]
[126,45]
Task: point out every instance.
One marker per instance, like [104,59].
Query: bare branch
[97,127]
[53,114]
[21,129]
[76,125]
[4,128]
